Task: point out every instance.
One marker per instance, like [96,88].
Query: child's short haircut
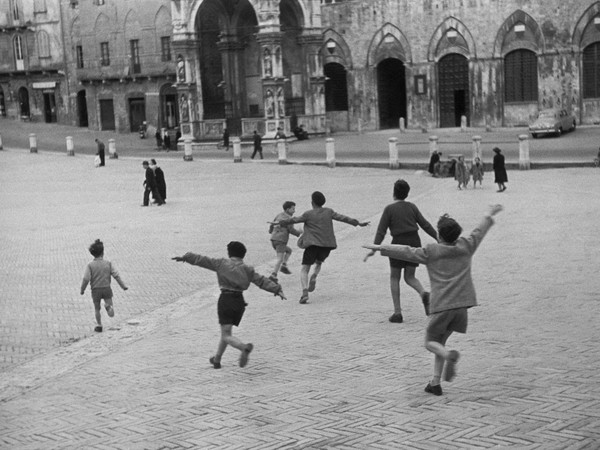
[401,189]
[97,248]
[288,205]
[448,229]
[318,198]
[236,249]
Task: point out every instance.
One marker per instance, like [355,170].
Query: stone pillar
[402,124]
[70,147]
[33,143]
[311,43]
[524,163]
[477,147]
[237,150]
[463,123]
[1,146]
[393,146]
[112,149]
[330,152]
[187,149]
[273,80]
[233,87]
[282,151]
[187,81]
[359,126]
[433,144]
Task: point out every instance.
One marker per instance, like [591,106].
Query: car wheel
[533,135]
[574,126]
[559,132]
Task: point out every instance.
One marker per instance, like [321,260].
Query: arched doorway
[137,111]
[453,75]
[49,106]
[336,95]
[23,96]
[169,112]
[82,111]
[391,90]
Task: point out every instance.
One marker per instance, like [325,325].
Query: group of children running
[448,263]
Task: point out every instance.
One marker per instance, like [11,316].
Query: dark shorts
[454,320]
[231,307]
[315,254]
[99,294]
[411,239]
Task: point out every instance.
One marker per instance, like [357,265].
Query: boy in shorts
[318,239]
[280,236]
[452,291]
[97,274]
[233,277]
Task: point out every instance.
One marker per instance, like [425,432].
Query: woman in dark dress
[499,170]
[161,184]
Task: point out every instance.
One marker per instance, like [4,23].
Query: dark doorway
[453,73]
[391,90]
[24,103]
[107,115]
[137,113]
[169,111]
[49,107]
[82,111]
[336,87]
[2,104]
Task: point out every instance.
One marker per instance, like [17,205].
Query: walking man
[100,151]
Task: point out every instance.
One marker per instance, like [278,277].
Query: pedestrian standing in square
[150,186]
[100,151]
[257,140]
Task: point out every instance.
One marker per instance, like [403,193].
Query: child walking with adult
[477,172]
[318,239]
[500,175]
[452,290]
[403,219]
[234,277]
[98,275]
[280,236]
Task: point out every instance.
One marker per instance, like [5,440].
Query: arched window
[591,71]
[43,42]
[520,76]
[336,87]
[18,50]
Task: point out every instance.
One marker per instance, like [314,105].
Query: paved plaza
[330,374]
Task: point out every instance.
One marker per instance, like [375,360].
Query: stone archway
[391,90]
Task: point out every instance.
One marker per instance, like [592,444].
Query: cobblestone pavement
[331,374]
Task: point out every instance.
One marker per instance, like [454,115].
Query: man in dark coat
[150,186]
[500,176]
[161,184]
[257,145]
[435,157]
[100,151]
[226,139]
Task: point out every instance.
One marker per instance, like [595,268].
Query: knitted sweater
[449,267]
[402,217]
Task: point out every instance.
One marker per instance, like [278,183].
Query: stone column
[393,146]
[311,42]
[433,144]
[237,150]
[187,149]
[33,143]
[524,163]
[477,147]
[112,149]
[187,82]
[330,152]
[273,83]
[70,147]
[282,151]
[233,76]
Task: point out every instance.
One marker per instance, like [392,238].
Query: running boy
[97,274]
[233,277]
[452,290]
[318,239]
[403,219]
[280,236]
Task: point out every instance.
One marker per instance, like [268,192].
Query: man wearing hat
[150,186]
[500,176]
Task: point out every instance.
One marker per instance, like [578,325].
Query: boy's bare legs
[395,274]
[304,281]
[413,282]
[98,316]
[280,259]
[442,355]
[227,338]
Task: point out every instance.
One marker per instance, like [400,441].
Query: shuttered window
[520,76]
[591,71]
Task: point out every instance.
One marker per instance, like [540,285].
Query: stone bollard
[393,145]
[463,123]
[1,147]
[112,149]
[70,147]
[32,143]
[402,125]
[477,147]
[187,149]
[433,144]
[359,126]
[282,151]
[524,163]
[237,150]
[330,152]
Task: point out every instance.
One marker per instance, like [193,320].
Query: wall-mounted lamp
[389,39]
[452,34]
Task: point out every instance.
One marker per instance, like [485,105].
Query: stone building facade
[496,62]
[33,81]
[122,64]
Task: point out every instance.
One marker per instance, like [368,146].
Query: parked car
[552,121]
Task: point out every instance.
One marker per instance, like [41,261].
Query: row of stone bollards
[394,162]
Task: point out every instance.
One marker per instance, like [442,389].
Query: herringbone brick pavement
[331,374]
